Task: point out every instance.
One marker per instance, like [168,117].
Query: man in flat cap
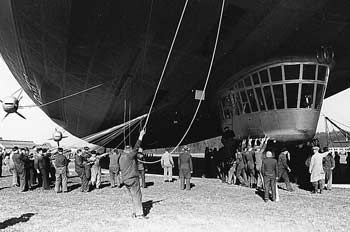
[130,175]
[185,168]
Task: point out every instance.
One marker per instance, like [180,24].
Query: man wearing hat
[61,163]
[317,177]
[19,160]
[185,168]
[283,168]
[80,170]
[130,175]
[269,172]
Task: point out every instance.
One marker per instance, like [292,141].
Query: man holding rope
[130,176]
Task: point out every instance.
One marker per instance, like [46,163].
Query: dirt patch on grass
[208,206]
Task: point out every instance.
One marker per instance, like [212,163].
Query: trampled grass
[209,206]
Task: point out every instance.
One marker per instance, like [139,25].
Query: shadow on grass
[13,221]
[104,184]
[260,193]
[149,184]
[147,206]
[4,188]
[73,187]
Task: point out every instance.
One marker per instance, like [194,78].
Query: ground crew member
[2,156]
[185,168]
[249,158]
[167,164]
[114,168]
[12,169]
[19,160]
[130,176]
[328,166]
[260,146]
[240,171]
[80,170]
[96,169]
[44,166]
[283,168]
[270,174]
[141,167]
[61,163]
[87,165]
[317,176]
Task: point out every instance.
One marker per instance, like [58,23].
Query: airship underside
[56,48]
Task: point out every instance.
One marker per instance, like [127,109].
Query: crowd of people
[254,163]
[261,163]
[40,167]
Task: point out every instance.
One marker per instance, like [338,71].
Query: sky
[38,127]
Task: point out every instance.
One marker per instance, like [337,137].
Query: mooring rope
[62,98]
[207,79]
[166,63]
[205,85]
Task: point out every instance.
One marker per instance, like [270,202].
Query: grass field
[209,206]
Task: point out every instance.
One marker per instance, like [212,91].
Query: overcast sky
[39,127]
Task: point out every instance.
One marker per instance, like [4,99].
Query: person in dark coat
[270,174]
[2,157]
[283,168]
[19,160]
[29,166]
[185,168]
[130,176]
[60,162]
[44,165]
[328,166]
[80,170]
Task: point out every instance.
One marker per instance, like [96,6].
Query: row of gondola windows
[291,72]
[245,101]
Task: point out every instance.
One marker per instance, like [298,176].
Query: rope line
[207,79]
[62,98]
[149,162]
[166,63]
[205,85]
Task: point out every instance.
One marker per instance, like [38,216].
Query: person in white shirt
[167,165]
[317,177]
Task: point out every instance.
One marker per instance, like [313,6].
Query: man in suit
[44,166]
[130,175]
[270,174]
[19,160]
[185,168]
